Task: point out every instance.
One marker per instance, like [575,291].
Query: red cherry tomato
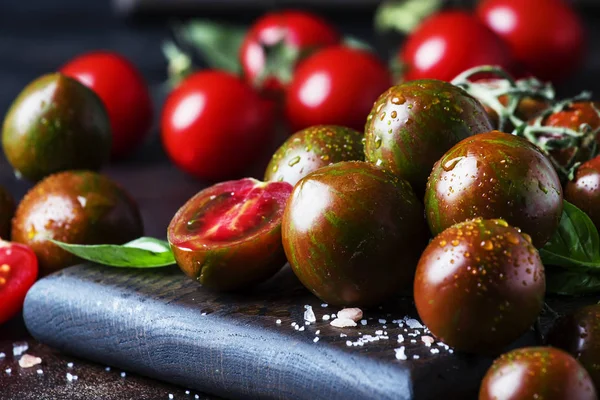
[301,31]
[214,125]
[18,272]
[336,86]
[448,43]
[546,36]
[125,95]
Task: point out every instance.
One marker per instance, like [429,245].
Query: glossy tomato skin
[214,125]
[572,117]
[578,333]
[228,236]
[336,86]
[479,285]
[299,30]
[353,234]
[448,43]
[495,175]
[584,190]
[537,373]
[18,272]
[413,124]
[312,148]
[538,34]
[122,89]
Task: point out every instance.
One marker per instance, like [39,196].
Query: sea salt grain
[434,351]
[324,305]
[317,332]
[316,339]
[187,392]
[28,361]
[348,343]
[413,341]
[343,323]
[382,321]
[8,371]
[2,355]
[400,354]
[326,317]
[19,348]
[170,396]
[363,321]
[413,323]
[40,372]
[301,329]
[278,322]
[416,357]
[355,314]
[428,340]
[70,365]
[70,377]
[309,314]
[107,369]
[196,396]
[123,374]
[400,338]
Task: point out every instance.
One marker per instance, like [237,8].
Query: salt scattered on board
[19,348]
[355,314]
[309,314]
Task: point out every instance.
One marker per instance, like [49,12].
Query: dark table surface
[36,37]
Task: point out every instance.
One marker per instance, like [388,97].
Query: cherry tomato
[336,86]
[124,93]
[300,31]
[18,272]
[214,125]
[546,36]
[448,43]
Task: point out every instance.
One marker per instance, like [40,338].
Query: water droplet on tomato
[294,161]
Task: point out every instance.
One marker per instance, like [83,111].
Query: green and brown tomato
[353,234]
[479,285]
[537,373]
[413,124]
[56,124]
[578,333]
[584,190]
[228,236]
[495,175]
[7,211]
[78,207]
[313,148]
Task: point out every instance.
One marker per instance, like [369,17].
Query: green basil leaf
[356,43]
[576,244]
[218,44]
[404,15]
[144,252]
[560,281]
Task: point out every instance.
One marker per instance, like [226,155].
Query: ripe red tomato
[18,272]
[123,91]
[448,43]
[546,36]
[214,124]
[336,86]
[301,31]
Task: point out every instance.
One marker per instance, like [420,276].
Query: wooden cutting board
[161,324]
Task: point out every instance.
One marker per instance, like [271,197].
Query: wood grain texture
[152,322]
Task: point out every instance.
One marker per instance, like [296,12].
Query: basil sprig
[145,252]
[572,256]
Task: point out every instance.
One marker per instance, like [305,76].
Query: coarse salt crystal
[428,340]
[343,335]
[384,327]
[301,329]
[8,370]
[19,348]
[382,321]
[107,369]
[413,323]
[333,315]
[187,392]
[413,341]
[400,354]
[69,377]
[348,343]
[326,317]
[317,332]
[40,372]
[170,396]
[278,322]
[355,314]
[196,396]
[324,305]
[342,323]
[296,327]
[2,355]
[293,324]
[434,351]
[203,313]
[70,365]
[363,321]
[28,361]
[416,357]
[400,338]
[316,339]
[379,332]
[309,314]
[306,323]
[123,374]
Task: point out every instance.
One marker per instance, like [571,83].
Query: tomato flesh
[18,272]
